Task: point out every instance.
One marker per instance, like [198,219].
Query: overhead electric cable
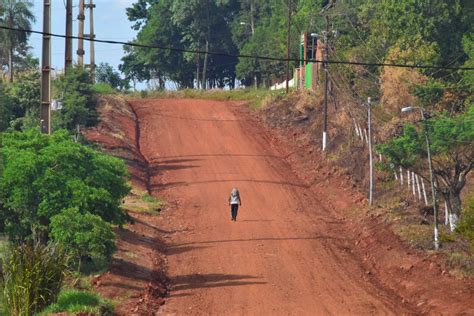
[183,50]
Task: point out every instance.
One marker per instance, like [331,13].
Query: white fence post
[418,186]
[401,176]
[424,191]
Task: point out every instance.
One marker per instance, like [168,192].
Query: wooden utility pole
[325,65]
[80,34]
[68,50]
[91,36]
[45,110]
[288,48]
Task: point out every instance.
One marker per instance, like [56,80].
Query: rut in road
[287,253]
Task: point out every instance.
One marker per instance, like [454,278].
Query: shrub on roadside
[466,226]
[45,175]
[33,276]
[85,236]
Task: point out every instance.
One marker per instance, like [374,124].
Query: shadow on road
[258,239]
[212,280]
[162,186]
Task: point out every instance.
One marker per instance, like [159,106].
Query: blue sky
[110,23]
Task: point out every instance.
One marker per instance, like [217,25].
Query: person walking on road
[234,202]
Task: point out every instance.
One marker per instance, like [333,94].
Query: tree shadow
[185,184]
[175,250]
[212,280]
[260,239]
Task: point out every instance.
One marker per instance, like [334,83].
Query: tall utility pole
[68,50]
[430,167]
[325,66]
[288,48]
[252,28]
[91,36]
[371,160]
[45,110]
[208,37]
[433,189]
[80,34]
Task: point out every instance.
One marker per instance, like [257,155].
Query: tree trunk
[453,201]
[10,64]
[204,69]
[197,71]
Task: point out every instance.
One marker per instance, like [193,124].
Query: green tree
[183,25]
[84,235]
[15,14]
[75,92]
[452,148]
[105,73]
[6,111]
[44,175]
[25,97]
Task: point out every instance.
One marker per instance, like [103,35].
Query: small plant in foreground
[32,276]
[74,301]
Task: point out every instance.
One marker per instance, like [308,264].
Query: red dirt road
[288,253]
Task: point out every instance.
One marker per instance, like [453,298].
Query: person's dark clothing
[233,211]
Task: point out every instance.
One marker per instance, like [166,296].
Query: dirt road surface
[288,253]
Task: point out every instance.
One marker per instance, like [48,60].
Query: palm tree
[15,14]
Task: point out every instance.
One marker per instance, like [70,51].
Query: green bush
[44,175]
[85,236]
[33,276]
[76,93]
[466,224]
[74,301]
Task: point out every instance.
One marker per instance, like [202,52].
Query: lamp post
[433,190]
[314,36]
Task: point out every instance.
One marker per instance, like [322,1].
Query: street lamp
[314,36]
[428,149]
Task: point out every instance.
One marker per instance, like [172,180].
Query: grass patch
[74,301]
[142,202]
[152,200]
[461,263]
[256,98]
[418,236]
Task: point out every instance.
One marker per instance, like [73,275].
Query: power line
[183,50]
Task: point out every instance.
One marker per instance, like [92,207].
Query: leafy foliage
[105,73]
[466,225]
[76,93]
[84,235]
[33,276]
[15,14]
[45,175]
[452,149]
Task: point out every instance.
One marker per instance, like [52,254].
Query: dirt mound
[118,132]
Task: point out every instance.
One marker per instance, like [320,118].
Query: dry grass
[141,202]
